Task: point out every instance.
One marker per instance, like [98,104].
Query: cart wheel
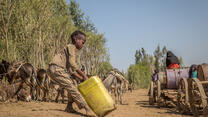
[182,97]
[151,95]
[159,100]
[197,97]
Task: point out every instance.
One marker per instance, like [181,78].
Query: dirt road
[135,105]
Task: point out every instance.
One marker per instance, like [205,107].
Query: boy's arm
[82,74]
[72,58]
[74,67]
[77,76]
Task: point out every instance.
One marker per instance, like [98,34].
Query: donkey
[44,83]
[112,82]
[24,71]
[4,65]
[60,91]
[10,91]
[125,86]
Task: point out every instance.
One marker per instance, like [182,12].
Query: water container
[174,76]
[97,96]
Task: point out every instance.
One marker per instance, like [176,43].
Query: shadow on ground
[77,113]
[170,110]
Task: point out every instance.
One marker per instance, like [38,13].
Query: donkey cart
[198,92]
[171,89]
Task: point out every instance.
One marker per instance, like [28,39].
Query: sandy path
[136,105]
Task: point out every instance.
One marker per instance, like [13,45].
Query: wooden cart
[171,89]
[183,105]
[198,92]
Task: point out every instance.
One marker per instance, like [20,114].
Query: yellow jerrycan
[97,96]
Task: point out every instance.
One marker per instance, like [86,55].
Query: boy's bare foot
[89,112]
[71,110]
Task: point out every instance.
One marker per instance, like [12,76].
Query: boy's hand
[81,73]
[85,78]
[78,76]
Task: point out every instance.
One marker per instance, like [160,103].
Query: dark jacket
[171,59]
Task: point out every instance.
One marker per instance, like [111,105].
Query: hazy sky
[128,25]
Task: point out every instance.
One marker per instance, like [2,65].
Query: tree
[157,55]
[145,57]
[139,73]
[104,68]
[79,19]
[181,61]
[95,53]
[138,56]
[34,31]
[151,63]
[163,58]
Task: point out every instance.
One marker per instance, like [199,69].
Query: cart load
[174,76]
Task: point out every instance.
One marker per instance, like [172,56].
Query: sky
[128,25]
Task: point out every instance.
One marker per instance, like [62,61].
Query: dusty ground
[135,105]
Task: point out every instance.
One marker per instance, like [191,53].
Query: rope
[22,63]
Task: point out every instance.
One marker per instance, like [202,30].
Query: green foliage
[181,61]
[141,57]
[36,30]
[160,58]
[79,19]
[139,74]
[95,52]
[163,59]
[157,55]
[104,68]
[138,56]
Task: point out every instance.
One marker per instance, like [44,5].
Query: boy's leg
[69,107]
[63,78]
[74,94]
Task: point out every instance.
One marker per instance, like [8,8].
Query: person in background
[193,71]
[155,76]
[172,61]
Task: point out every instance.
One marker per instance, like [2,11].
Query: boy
[65,68]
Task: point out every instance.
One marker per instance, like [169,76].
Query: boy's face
[80,41]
